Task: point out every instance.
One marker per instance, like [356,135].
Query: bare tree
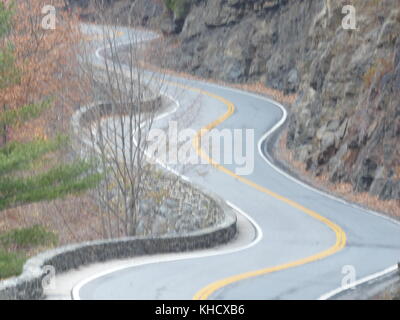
[119,126]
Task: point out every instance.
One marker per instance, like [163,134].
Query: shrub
[11,263]
[26,238]
[15,246]
[180,8]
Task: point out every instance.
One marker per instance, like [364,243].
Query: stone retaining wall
[28,286]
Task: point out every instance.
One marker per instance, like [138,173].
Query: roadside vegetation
[180,8]
[35,65]
[17,245]
[47,197]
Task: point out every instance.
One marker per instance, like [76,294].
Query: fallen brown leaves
[45,60]
[342,190]
[73,219]
[47,64]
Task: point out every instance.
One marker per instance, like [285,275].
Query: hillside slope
[345,122]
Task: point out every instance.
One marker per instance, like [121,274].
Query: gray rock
[366,175]
[347,82]
[293,81]
[159,226]
[171,203]
[327,140]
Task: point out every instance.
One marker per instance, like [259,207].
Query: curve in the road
[340,243]
[362,235]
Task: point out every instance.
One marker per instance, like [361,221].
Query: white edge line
[374,276]
[184,256]
[353,205]
[258,231]
[260,142]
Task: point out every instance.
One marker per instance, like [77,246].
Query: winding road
[305,237]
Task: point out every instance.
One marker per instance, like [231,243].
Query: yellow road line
[340,243]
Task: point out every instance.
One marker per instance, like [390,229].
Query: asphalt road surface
[308,237]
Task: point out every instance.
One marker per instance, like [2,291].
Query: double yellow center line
[340,242]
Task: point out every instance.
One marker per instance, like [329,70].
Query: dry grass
[72,219]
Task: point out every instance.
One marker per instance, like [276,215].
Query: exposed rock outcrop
[346,120]
[348,111]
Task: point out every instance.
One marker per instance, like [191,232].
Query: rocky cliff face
[246,40]
[346,119]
